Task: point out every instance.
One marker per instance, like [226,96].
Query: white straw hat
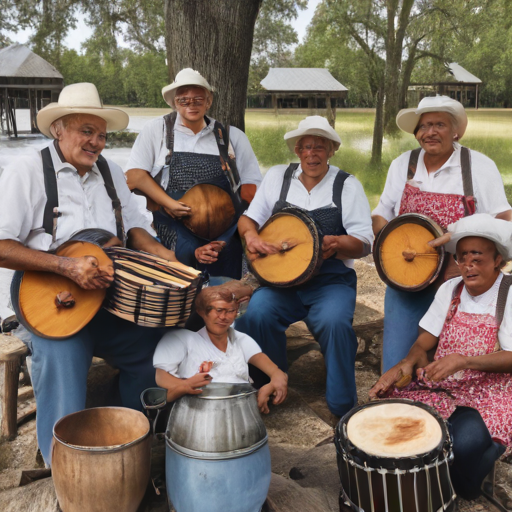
[82,98]
[485,226]
[187,76]
[407,119]
[317,126]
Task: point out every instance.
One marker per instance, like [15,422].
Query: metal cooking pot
[217,455]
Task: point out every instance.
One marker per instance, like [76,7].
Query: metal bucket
[217,455]
[101,460]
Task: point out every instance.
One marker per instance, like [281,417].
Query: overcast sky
[77,36]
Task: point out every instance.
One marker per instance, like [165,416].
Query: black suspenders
[52,195]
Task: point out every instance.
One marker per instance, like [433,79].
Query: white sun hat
[485,226]
[82,98]
[317,126]
[407,119]
[187,76]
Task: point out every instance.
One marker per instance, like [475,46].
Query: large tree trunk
[378,130]
[214,38]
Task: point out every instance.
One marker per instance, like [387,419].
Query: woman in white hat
[175,152]
[49,195]
[337,203]
[470,326]
[442,180]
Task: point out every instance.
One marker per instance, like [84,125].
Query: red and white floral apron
[472,335]
[442,208]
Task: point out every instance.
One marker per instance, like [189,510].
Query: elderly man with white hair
[185,148]
[442,180]
[336,202]
[469,325]
[49,195]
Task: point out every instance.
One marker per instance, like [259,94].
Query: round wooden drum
[403,258]
[393,456]
[212,211]
[34,296]
[296,236]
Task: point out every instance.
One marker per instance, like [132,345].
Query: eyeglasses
[220,311]
[312,148]
[426,127]
[184,101]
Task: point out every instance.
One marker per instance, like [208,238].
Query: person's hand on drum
[177,209]
[329,246]
[86,272]
[209,253]
[257,247]
[398,376]
[444,367]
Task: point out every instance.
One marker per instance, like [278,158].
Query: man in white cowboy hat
[336,202]
[442,180]
[469,325]
[175,152]
[49,195]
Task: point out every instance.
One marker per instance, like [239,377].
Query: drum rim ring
[344,445]
[386,230]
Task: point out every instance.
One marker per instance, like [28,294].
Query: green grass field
[489,131]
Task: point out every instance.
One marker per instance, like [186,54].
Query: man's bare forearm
[16,256]
[140,240]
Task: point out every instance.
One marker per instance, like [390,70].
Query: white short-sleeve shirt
[83,201]
[355,207]
[149,150]
[488,186]
[180,352]
[434,318]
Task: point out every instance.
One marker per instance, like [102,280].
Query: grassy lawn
[489,131]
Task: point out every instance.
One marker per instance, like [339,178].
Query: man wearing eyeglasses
[337,204]
[185,148]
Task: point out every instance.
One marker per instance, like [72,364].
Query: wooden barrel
[212,211]
[296,236]
[403,258]
[101,460]
[34,296]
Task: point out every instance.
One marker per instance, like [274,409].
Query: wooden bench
[12,351]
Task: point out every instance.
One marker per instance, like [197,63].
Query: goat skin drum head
[394,430]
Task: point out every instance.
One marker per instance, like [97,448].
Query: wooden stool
[12,350]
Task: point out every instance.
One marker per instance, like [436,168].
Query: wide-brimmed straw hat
[482,225]
[187,76]
[317,126]
[407,119]
[82,98]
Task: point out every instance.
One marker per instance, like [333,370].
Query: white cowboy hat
[317,126]
[82,98]
[187,76]
[485,226]
[407,119]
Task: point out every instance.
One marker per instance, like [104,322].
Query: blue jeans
[402,314]
[326,303]
[60,367]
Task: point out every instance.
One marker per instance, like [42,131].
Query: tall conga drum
[217,456]
[101,460]
[299,244]
[403,258]
[393,456]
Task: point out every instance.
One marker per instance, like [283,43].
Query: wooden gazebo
[26,81]
[311,88]
[458,83]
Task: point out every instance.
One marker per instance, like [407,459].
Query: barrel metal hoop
[233,454]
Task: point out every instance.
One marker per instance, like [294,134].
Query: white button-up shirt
[149,150]
[487,183]
[355,207]
[83,201]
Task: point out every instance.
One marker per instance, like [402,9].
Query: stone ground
[305,476]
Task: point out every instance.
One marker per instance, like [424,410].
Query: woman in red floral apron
[470,381]
[443,181]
